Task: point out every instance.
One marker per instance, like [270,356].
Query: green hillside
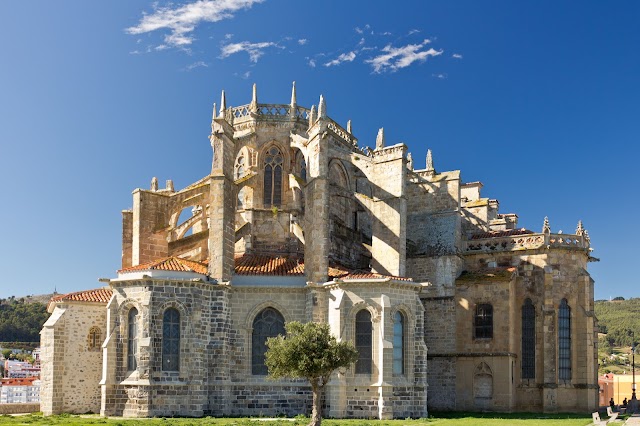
[21,321]
[619,325]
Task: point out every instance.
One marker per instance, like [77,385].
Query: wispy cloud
[302,41]
[196,65]
[255,50]
[181,21]
[457,56]
[414,31]
[345,57]
[441,76]
[395,58]
[311,62]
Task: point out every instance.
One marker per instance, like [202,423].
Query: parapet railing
[269,111]
[526,242]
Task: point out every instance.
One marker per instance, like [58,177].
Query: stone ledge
[19,408]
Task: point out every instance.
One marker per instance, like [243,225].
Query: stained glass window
[528,340]
[171,340]
[273,177]
[483,323]
[268,323]
[398,343]
[364,341]
[564,341]
[132,340]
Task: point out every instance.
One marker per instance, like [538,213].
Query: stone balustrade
[526,242]
[267,111]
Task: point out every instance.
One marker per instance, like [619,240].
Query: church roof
[496,234]
[169,264]
[98,295]
[258,264]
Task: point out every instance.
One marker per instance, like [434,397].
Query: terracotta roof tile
[98,295]
[169,264]
[496,234]
[256,264]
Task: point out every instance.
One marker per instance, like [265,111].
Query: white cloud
[255,50]
[386,33]
[414,31]
[183,20]
[196,65]
[345,57]
[228,36]
[457,56]
[311,62]
[440,76]
[395,58]
[302,41]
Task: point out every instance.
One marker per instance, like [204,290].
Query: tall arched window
[483,321]
[302,166]
[273,177]
[132,340]
[171,340]
[95,338]
[364,340]
[528,340]
[398,343]
[240,167]
[564,341]
[268,323]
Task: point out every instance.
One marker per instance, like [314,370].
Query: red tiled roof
[98,295]
[19,381]
[169,264]
[496,234]
[256,264]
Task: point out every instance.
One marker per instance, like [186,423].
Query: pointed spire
[294,101]
[546,229]
[154,184]
[409,161]
[380,138]
[312,116]
[223,105]
[580,228]
[430,161]
[322,108]
[254,98]
[586,236]
[349,126]
[213,117]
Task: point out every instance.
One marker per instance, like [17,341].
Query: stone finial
[294,100]
[409,161]
[430,161]
[154,184]
[322,108]
[349,126]
[546,229]
[586,236]
[380,138]
[580,228]
[312,116]
[169,185]
[254,98]
[223,105]
[213,117]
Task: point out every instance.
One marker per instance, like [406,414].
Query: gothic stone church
[450,304]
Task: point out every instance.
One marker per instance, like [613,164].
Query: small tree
[309,351]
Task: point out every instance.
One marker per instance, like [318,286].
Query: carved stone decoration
[546,229]
[580,228]
[409,161]
[430,162]
[312,116]
[322,108]
[154,184]
[380,141]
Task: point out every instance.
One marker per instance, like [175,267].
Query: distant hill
[620,320]
[21,320]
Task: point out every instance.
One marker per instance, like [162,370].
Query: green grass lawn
[437,419]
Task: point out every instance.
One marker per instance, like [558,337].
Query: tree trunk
[316,411]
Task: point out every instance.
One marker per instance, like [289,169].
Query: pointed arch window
[564,341]
[483,321]
[132,340]
[171,340]
[398,343]
[364,341]
[95,340]
[302,166]
[268,323]
[528,340]
[240,167]
[273,162]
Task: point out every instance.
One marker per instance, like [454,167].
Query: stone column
[222,206]
[389,211]
[385,360]
[549,343]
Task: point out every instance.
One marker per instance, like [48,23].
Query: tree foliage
[620,320]
[309,351]
[21,321]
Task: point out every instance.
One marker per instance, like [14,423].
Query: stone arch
[260,307]
[94,338]
[274,166]
[338,174]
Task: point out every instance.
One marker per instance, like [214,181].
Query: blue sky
[538,100]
